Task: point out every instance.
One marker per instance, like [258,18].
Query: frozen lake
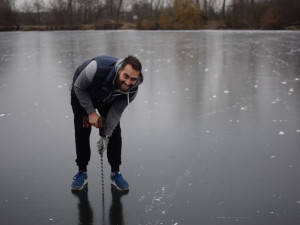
[212,138]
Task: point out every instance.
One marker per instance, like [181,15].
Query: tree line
[149,14]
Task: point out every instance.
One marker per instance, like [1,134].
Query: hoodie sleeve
[115,113]
[81,85]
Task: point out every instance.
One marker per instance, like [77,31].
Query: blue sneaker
[79,181]
[118,182]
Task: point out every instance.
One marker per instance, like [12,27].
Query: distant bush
[105,24]
[166,22]
[148,24]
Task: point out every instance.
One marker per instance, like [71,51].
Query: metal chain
[102,175]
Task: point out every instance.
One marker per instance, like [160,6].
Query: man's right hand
[93,119]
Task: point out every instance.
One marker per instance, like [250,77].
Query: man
[107,84]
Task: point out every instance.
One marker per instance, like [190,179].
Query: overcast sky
[20,2]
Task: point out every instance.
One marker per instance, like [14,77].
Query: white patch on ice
[256,86]
[187,89]
[226,92]
[146,70]
[51,219]
[291,90]
[298,202]
[146,102]
[244,108]
[281,133]
[297,79]
[206,69]
[283,82]
[142,198]
[272,157]
[297,131]
[59,86]
[276,100]
[3,114]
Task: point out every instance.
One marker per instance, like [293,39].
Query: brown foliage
[148,24]
[187,14]
[166,22]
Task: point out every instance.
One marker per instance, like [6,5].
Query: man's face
[127,78]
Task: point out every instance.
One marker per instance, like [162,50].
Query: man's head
[128,73]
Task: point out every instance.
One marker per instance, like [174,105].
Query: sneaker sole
[82,187]
[117,188]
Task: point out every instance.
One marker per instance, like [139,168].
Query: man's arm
[81,85]
[115,113]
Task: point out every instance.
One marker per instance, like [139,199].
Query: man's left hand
[102,144]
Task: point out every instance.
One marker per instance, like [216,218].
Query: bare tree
[38,5]
[7,15]
[223,9]
[70,13]
[118,11]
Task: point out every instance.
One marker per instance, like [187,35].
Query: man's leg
[82,134]
[114,158]
[114,149]
[82,142]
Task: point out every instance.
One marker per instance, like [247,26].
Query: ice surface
[212,137]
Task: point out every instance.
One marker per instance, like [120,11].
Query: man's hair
[133,61]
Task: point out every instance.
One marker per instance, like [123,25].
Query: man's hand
[93,119]
[102,144]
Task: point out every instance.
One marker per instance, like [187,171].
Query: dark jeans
[82,136]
